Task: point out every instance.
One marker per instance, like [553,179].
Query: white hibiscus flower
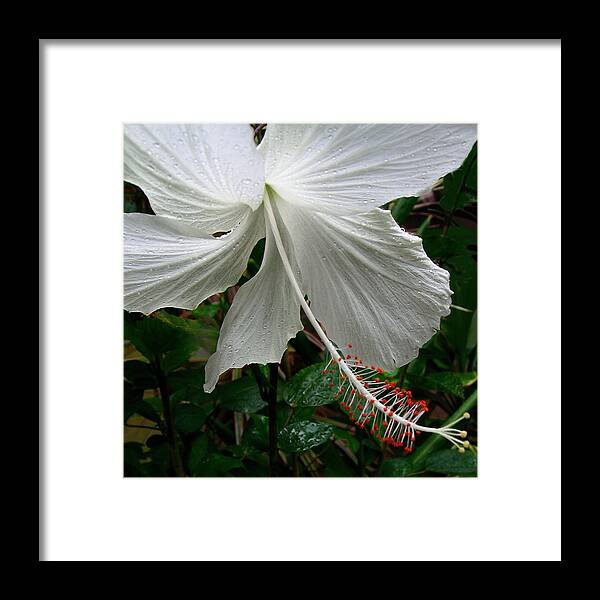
[313,192]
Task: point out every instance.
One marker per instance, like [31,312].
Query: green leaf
[396,467]
[189,377]
[139,374]
[131,397]
[145,409]
[202,334]
[256,435]
[458,185]
[187,385]
[456,248]
[159,452]
[198,450]
[336,464]
[402,208]
[160,342]
[303,435]
[135,404]
[310,387]
[190,417]
[455,328]
[452,462]
[472,334]
[206,311]
[190,395]
[241,395]
[214,465]
[449,382]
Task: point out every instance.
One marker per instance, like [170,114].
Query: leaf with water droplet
[303,435]
[311,387]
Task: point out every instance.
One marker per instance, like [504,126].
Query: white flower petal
[204,174]
[168,262]
[346,169]
[369,282]
[264,316]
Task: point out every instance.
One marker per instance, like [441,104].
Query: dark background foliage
[172,428]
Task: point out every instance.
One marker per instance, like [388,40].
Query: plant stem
[268,392]
[166,402]
[272,400]
[142,427]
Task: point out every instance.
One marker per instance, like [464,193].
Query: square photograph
[300,300]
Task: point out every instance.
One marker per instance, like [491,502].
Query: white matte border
[511,511]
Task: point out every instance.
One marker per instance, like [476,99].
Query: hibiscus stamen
[364,395]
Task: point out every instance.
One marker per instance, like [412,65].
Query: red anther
[349,345]
[376,379]
[353,391]
[385,423]
[340,359]
[371,401]
[348,356]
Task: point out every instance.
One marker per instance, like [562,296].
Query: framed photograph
[289,283]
